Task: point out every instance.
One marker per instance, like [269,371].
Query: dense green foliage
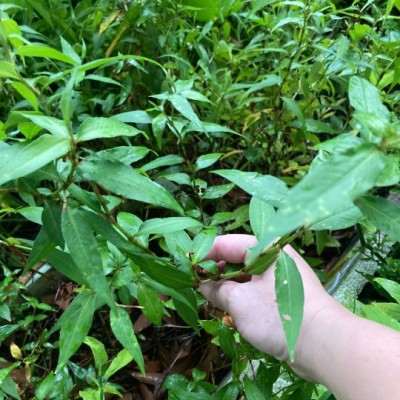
[134,133]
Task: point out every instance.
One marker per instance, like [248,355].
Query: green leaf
[251,390]
[99,128]
[123,358]
[166,225]
[384,214]
[392,287]
[75,324]
[126,181]
[188,310]
[154,267]
[26,92]
[44,52]
[265,187]
[218,191]
[365,97]
[227,341]
[83,248]
[51,218]
[374,313]
[261,213]
[63,263]
[316,197]
[207,160]
[98,350]
[165,161]
[152,305]
[202,244]
[181,104]
[134,117]
[67,97]
[19,160]
[55,126]
[9,387]
[42,247]
[269,80]
[290,297]
[263,262]
[122,327]
[228,392]
[391,174]
[8,70]
[124,154]
[342,219]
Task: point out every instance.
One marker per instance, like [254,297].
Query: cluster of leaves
[112,115]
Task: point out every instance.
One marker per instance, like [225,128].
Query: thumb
[219,293]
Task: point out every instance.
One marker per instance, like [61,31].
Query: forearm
[353,357]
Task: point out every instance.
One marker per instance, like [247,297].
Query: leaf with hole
[290,297]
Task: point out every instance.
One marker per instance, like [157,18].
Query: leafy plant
[133,134]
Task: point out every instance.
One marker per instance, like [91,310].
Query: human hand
[253,305]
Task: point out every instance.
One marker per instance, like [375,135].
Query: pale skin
[355,358]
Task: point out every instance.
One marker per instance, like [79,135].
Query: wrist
[322,333]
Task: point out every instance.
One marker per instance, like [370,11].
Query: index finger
[231,248]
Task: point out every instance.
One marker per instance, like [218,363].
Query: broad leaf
[188,312]
[152,305]
[167,225]
[8,70]
[123,154]
[98,350]
[202,244]
[261,213]
[251,390]
[154,267]
[165,161]
[98,128]
[316,197]
[125,181]
[392,287]
[53,125]
[42,246]
[365,97]
[384,214]
[22,159]
[265,187]
[123,358]
[342,219]
[63,263]
[51,219]
[75,324]
[83,248]
[290,297]
[207,160]
[44,52]
[122,328]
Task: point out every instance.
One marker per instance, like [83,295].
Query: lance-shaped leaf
[53,125]
[97,128]
[122,328]
[75,324]
[264,187]
[167,225]
[384,214]
[331,186]
[260,213]
[22,159]
[290,297]
[82,246]
[154,267]
[125,181]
